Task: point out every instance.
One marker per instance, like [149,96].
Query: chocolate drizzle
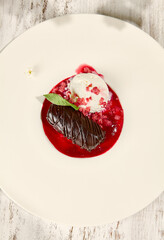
[75,126]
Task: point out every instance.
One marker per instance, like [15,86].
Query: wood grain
[16,16]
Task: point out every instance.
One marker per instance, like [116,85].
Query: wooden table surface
[16,16]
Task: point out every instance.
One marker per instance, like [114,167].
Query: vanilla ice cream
[92,89]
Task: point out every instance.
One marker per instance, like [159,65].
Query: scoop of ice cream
[89,91]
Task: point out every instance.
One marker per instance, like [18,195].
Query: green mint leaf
[58,100]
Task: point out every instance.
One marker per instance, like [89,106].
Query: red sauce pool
[111,120]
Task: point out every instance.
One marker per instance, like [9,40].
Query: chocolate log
[75,126]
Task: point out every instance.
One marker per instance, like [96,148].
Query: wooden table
[17,16]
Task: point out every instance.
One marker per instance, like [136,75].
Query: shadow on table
[129,10]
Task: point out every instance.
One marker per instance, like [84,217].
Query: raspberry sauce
[110,120]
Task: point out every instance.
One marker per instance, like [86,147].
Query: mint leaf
[58,100]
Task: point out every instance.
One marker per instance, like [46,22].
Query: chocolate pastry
[75,126]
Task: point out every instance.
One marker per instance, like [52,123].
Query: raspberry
[117,117]
[71,101]
[81,101]
[83,110]
[107,123]
[55,90]
[100,121]
[104,117]
[68,93]
[75,95]
[88,99]
[104,104]
[101,101]
[109,105]
[62,86]
[87,88]
[95,116]
[116,110]
[88,109]
[95,90]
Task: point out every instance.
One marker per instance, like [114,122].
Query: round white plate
[82,191]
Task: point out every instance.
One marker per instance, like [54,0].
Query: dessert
[91,120]
[75,126]
[90,88]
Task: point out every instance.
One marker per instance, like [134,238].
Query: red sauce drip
[111,120]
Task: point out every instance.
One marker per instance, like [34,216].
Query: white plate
[82,191]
